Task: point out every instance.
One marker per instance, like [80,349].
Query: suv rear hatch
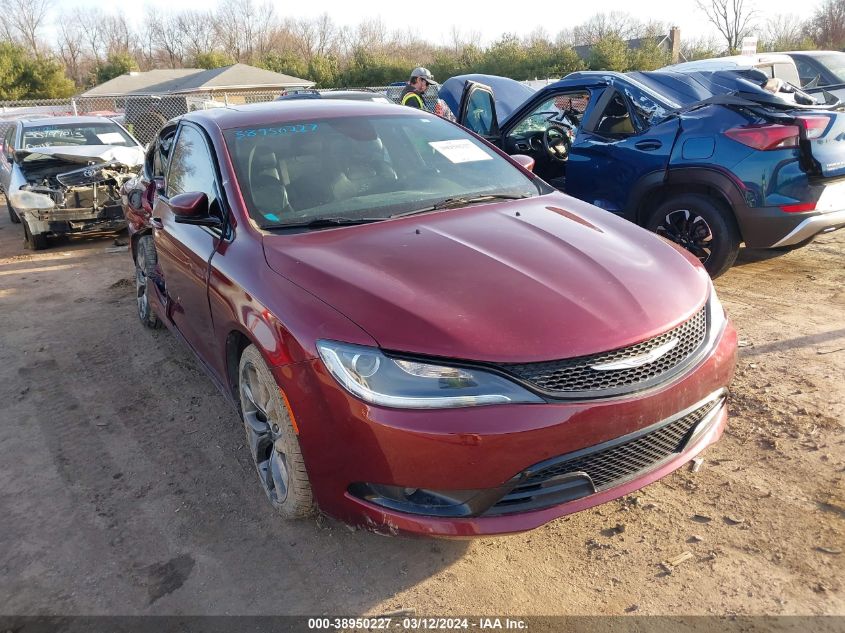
[817,128]
[823,139]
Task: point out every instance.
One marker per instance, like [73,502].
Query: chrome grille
[577,376]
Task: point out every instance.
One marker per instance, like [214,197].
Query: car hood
[84,154]
[538,279]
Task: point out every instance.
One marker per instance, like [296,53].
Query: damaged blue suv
[710,160]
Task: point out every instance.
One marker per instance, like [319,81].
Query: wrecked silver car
[63,175]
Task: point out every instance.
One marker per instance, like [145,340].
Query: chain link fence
[144,115]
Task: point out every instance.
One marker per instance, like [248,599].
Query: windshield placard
[460,151]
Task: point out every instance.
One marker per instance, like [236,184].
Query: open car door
[478,111]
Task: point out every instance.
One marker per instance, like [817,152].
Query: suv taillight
[765,137]
[815,125]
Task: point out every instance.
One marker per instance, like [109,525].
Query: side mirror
[192,208]
[526,161]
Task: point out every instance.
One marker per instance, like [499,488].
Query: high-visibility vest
[410,97]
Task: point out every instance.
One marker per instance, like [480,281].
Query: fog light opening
[445,503]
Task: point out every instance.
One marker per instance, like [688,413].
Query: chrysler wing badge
[638,361]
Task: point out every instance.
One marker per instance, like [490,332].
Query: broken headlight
[30,201]
[410,384]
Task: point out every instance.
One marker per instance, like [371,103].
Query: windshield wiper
[323,222]
[462,201]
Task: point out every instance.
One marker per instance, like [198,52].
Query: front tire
[700,225]
[12,215]
[271,438]
[34,242]
[145,263]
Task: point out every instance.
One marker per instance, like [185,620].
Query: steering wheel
[556,143]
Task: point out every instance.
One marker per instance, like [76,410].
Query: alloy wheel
[690,231]
[141,284]
[264,435]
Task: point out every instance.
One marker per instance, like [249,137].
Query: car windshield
[357,168]
[75,134]
[835,64]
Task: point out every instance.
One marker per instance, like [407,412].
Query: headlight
[30,201]
[370,375]
[716,314]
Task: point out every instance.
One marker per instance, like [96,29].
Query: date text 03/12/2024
[416,623]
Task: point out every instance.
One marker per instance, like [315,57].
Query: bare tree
[732,18]
[371,35]
[118,36]
[198,37]
[7,30]
[604,25]
[165,33]
[567,37]
[700,48]
[87,21]
[70,45]
[315,37]
[24,19]
[245,30]
[827,26]
[539,36]
[784,32]
[457,40]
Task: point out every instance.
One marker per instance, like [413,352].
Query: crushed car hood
[84,154]
[559,279]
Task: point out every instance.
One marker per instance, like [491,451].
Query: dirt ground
[126,487]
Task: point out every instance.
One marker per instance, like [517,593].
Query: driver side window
[479,113]
[191,166]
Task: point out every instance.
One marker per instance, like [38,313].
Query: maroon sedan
[422,336]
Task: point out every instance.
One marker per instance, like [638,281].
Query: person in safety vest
[413,93]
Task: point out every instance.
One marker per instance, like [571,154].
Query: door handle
[648,145]
[156,223]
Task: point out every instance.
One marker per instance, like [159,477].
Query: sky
[433,19]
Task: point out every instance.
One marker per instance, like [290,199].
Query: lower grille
[601,467]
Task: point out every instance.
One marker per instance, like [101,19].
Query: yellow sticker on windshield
[460,151]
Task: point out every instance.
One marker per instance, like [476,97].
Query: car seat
[309,168]
[268,192]
[366,171]
[616,119]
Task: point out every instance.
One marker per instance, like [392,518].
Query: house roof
[180,80]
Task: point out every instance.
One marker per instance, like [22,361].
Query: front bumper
[66,220]
[345,441]
[385,521]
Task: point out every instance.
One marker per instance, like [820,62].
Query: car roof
[358,95]
[778,65]
[732,61]
[813,53]
[61,120]
[295,110]
[589,78]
